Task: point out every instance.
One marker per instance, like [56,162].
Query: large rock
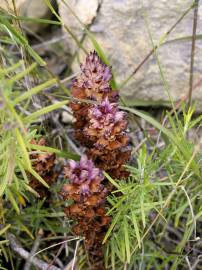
[121,28]
[29,8]
[85,10]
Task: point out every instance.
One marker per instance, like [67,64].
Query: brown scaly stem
[193,52]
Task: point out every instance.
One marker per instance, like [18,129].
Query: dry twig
[27,265]
[16,247]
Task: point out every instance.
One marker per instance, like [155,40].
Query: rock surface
[122,29]
[29,8]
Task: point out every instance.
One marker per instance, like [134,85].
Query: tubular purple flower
[107,76]
[105,114]
[95,75]
[72,164]
[83,174]
[96,173]
[85,163]
[85,189]
[119,116]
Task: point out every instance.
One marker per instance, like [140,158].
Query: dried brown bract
[43,164]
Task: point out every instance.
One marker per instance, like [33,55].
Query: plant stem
[193,52]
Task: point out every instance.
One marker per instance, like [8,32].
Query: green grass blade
[178,143]
[30,19]
[1,243]
[142,210]
[21,40]
[34,91]
[2,231]
[79,44]
[23,73]
[186,38]
[5,71]
[111,180]
[150,120]
[45,110]
[137,231]
[23,147]
[65,154]
[115,220]
[13,201]
[10,167]
[127,242]
[38,177]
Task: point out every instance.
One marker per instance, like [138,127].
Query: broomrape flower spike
[101,128]
[92,84]
[95,76]
[88,209]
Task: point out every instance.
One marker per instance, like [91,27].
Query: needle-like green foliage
[162,189]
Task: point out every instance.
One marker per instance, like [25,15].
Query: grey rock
[86,11]
[67,117]
[122,29]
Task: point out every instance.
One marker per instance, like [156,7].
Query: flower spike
[101,128]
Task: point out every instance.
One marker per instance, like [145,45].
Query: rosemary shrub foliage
[163,191]
[22,213]
[17,129]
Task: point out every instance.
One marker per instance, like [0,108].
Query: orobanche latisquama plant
[101,127]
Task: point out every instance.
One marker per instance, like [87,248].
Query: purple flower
[105,116]
[95,75]
[86,163]
[72,164]
[85,190]
[83,173]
